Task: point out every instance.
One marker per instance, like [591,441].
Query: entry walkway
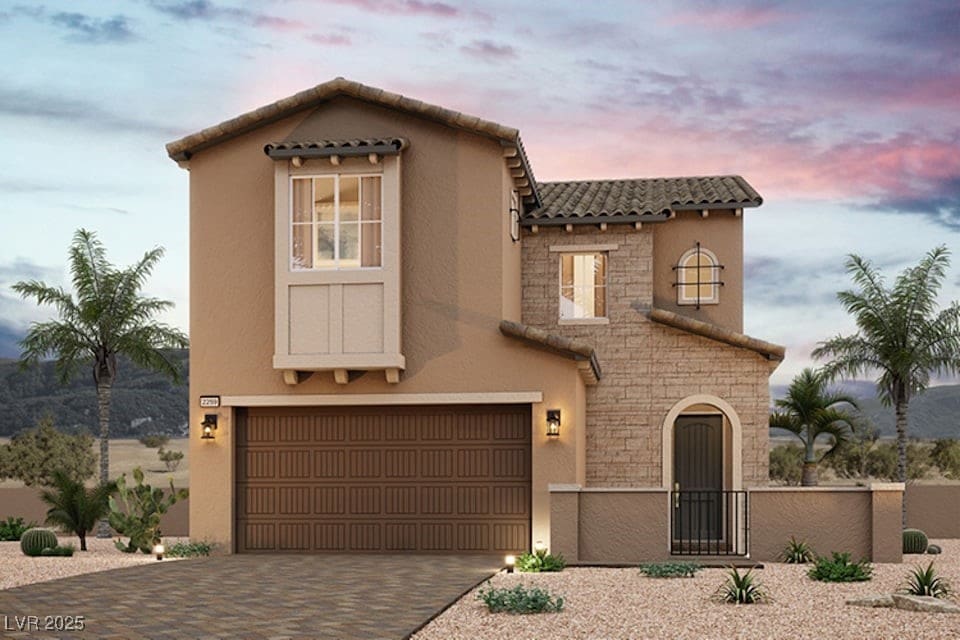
[250,596]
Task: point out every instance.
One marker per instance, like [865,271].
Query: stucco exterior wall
[647,367]
[453,294]
[934,509]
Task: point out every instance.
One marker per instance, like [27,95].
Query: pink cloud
[330,39]
[728,18]
[404,7]
[487,49]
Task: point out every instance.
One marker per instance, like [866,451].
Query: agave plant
[797,552]
[926,582]
[741,588]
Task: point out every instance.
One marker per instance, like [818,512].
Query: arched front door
[698,478]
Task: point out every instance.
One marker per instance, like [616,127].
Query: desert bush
[797,552]
[786,464]
[189,549]
[670,569]
[519,599]
[62,551]
[926,582]
[34,541]
[945,454]
[882,461]
[35,454]
[139,518]
[170,458]
[12,528]
[849,460]
[839,568]
[741,588]
[154,440]
[914,541]
[934,550]
[540,561]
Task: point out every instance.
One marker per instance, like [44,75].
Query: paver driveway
[251,596]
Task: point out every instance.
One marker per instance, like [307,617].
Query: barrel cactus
[914,541]
[934,549]
[34,541]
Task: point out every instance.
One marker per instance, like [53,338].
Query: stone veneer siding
[647,367]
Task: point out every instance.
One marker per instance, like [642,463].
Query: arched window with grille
[698,277]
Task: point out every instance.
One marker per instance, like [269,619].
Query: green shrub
[914,541]
[170,458]
[839,568]
[882,461]
[741,588]
[519,599]
[139,518]
[34,541]
[154,440]
[34,455]
[945,454]
[64,551]
[786,464]
[926,582]
[189,549]
[540,561]
[73,507]
[796,552]
[13,528]
[670,569]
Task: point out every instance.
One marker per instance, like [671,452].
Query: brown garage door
[383,479]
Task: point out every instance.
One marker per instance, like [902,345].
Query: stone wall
[647,367]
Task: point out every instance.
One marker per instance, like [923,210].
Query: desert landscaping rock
[884,600]
[927,604]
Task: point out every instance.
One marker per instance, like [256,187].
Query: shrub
[34,541]
[934,549]
[540,561]
[189,549]
[34,455]
[13,528]
[670,569]
[882,461]
[914,541]
[64,551]
[926,582]
[170,458]
[786,464]
[75,508]
[154,440]
[741,588]
[945,454]
[519,599]
[839,568]
[143,505]
[796,552]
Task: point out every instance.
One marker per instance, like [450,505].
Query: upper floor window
[698,277]
[336,222]
[583,286]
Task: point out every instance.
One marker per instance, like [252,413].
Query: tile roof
[182,149]
[691,325]
[630,200]
[313,148]
[568,347]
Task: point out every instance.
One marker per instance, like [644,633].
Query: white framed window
[583,286]
[336,222]
[698,277]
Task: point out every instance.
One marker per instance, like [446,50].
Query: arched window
[698,277]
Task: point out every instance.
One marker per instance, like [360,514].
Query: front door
[698,477]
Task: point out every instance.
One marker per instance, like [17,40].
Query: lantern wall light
[209,426]
[553,423]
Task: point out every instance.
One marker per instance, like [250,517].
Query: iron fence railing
[709,523]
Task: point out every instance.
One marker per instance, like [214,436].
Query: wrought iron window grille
[715,268]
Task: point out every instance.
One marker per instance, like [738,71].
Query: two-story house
[401,340]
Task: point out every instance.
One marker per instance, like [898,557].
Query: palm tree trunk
[83,540]
[809,477]
[103,407]
[901,411]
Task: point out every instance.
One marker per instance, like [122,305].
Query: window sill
[574,321]
[693,303]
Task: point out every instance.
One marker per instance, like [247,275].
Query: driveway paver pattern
[270,597]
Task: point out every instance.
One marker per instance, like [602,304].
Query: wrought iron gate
[709,523]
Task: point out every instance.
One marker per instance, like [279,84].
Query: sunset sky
[845,116]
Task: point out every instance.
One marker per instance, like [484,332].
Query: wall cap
[808,489]
[563,488]
[888,486]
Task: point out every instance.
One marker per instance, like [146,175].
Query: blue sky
[843,115]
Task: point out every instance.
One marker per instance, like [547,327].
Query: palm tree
[903,336]
[108,317]
[809,411]
[75,508]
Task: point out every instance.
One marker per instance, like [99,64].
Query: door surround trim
[736,438]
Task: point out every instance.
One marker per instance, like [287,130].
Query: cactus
[139,518]
[34,541]
[914,541]
[934,549]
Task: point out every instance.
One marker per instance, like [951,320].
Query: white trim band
[361,399]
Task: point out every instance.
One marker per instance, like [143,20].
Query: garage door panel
[383,479]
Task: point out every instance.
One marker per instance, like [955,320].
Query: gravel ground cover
[17,569]
[622,603]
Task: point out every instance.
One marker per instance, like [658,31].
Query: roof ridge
[688,177]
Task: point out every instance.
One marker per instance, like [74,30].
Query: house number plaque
[209,402]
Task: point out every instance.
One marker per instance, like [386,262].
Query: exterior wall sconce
[209,425]
[510,561]
[158,551]
[553,423]
[539,547]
